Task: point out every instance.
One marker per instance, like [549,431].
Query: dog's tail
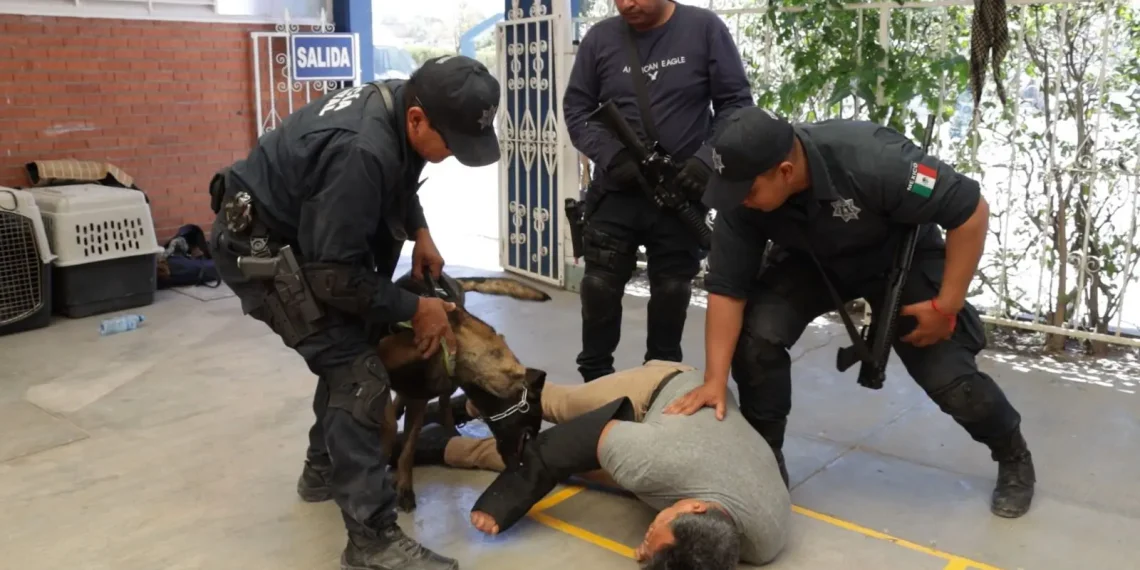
[504,286]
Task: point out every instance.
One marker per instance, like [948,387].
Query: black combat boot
[1016,477]
[430,446]
[391,549]
[313,485]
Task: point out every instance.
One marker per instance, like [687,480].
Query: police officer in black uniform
[309,231]
[837,195]
[692,77]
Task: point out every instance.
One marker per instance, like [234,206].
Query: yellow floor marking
[578,532]
[952,558]
[953,561]
[555,498]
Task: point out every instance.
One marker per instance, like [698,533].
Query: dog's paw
[406,500]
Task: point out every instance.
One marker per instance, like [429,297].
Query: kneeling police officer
[832,197]
[308,234]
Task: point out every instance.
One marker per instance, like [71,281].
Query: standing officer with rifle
[837,199]
[658,60]
[308,234]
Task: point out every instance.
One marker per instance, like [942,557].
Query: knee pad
[600,292]
[362,389]
[755,349]
[977,403]
[671,289]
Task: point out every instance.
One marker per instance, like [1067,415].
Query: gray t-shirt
[666,458]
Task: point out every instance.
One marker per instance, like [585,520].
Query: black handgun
[576,217]
[288,280]
[658,168]
[881,332]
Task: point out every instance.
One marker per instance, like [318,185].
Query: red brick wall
[168,102]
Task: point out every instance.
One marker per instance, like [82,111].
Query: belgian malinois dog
[506,392]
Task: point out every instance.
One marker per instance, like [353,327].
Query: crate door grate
[98,238]
[20,269]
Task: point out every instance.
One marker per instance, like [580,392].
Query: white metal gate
[276,92]
[531,42]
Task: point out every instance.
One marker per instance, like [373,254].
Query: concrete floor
[177,446]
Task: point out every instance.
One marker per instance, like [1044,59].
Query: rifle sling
[640,88]
[857,340]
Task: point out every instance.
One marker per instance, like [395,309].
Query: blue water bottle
[120,324]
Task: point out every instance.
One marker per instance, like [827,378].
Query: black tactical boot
[458,411]
[391,549]
[429,447]
[313,485]
[1016,477]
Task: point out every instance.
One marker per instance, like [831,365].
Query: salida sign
[323,57]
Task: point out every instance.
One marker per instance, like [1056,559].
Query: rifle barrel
[608,115]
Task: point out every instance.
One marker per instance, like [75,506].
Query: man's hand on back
[711,394]
[430,324]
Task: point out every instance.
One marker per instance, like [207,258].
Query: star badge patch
[488,117]
[718,164]
[845,209]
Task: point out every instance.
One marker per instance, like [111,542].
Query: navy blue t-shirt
[692,70]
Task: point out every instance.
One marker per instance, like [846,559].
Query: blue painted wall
[355,16]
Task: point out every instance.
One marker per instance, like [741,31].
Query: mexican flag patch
[922,179]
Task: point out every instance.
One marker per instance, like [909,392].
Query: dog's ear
[535,378]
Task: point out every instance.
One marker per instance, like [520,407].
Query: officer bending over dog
[715,484]
[308,234]
[835,195]
[686,59]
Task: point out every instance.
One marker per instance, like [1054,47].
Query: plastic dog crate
[106,247]
[25,264]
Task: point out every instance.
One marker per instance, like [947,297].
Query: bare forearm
[964,247]
[723,322]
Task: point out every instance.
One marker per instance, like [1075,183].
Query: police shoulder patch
[922,179]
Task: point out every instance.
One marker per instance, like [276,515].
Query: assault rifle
[658,169]
[873,371]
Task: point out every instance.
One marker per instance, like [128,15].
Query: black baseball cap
[461,98]
[751,142]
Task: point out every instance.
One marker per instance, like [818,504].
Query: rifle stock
[657,168]
[873,373]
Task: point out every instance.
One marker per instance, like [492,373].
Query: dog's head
[514,421]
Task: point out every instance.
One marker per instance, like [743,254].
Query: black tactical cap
[460,98]
[751,142]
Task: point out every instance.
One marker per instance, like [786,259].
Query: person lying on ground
[716,485]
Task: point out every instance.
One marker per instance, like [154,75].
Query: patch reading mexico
[922,179]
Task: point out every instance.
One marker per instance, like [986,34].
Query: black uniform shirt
[694,78]
[869,182]
[337,179]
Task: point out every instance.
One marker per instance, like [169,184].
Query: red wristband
[952,318]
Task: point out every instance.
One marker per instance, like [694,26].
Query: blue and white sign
[323,57]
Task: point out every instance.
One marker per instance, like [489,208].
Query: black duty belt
[661,387]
